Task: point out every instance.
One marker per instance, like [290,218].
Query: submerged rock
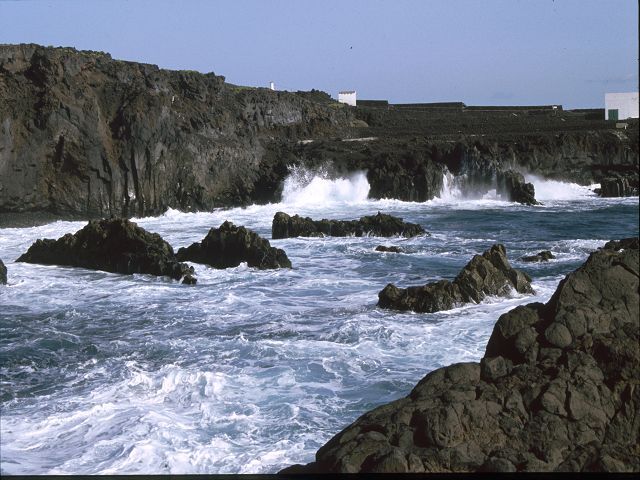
[486,274]
[391,249]
[228,246]
[543,256]
[3,274]
[513,185]
[557,390]
[380,225]
[115,245]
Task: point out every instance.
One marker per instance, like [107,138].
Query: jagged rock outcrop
[486,274]
[512,185]
[380,225]
[114,245]
[619,186]
[86,135]
[3,273]
[391,249]
[557,390]
[543,256]
[228,246]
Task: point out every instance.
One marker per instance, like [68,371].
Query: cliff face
[83,134]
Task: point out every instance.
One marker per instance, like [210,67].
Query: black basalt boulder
[380,225]
[543,256]
[390,249]
[228,246]
[513,185]
[486,274]
[3,273]
[114,245]
[556,391]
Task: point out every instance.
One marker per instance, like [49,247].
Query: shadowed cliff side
[83,134]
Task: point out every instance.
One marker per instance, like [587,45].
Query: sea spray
[547,189]
[318,187]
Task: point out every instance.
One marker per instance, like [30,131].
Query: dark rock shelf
[380,225]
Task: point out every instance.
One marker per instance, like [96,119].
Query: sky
[481,52]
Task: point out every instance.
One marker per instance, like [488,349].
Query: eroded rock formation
[228,246]
[380,225]
[486,274]
[557,390]
[115,245]
[512,185]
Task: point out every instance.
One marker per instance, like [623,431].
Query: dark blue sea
[250,371]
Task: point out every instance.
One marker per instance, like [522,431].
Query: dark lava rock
[3,274]
[392,249]
[557,390]
[380,225]
[623,244]
[486,274]
[618,187]
[512,184]
[543,256]
[115,245]
[228,246]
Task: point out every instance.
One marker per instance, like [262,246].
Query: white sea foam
[250,371]
[547,190]
[316,188]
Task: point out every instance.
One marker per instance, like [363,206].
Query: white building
[272,86]
[620,106]
[348,97]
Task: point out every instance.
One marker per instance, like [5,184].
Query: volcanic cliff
[84,135]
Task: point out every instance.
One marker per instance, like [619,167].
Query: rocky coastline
[557,390]
[87,136]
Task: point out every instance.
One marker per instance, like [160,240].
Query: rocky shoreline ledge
[557,390]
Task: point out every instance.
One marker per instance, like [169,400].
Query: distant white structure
[620,106]
[272,86]
[348,97]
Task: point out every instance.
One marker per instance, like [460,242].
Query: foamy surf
[251,371]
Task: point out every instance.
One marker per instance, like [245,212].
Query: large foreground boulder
[3,274]
[114,245]
[557,390]
[380,225]
[486,274]
[511,184]
[229,245]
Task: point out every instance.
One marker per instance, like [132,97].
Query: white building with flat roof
[348,97]
[620,106]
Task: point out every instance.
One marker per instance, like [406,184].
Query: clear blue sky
[476,51]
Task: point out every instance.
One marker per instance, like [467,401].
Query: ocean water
[250,371]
